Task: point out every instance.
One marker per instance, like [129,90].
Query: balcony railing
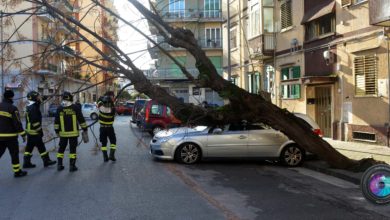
[172,74]
[64,5]
[44,15]
[192,14]
[262,46]
[210,43]
[48,68]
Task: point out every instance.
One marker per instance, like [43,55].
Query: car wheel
[188,153]
[292,155]
[94,116]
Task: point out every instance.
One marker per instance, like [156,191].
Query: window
[235,80]
[156,109]
[286,16]
[212,8]
[345,3]
[321,26]
[268,20]
[176,8]
[213,38]
[290,88]
[253,82]
[359,1]
[366,75]
[233,38]
[254,20]
[269,79]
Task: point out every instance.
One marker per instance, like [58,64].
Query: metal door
[323,102]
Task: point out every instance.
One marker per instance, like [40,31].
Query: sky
[130,41]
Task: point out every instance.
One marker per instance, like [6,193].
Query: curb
[342,174]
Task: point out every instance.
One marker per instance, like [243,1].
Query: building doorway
[323,116]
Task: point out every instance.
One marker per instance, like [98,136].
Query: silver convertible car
[189,145]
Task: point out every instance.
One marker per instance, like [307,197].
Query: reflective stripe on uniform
[6,114]
[72,156]
[44,153]
[33,131]
[74,121]
[60,155]
[56,126]
[106,123]
[104,148]
[36,124]
[106,116]
[27,153]
[113,146]
[22,133]
[9,135]
[69,134]
[16,167]
[62,122]
[83,125]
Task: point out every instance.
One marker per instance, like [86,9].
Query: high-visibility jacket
[33,120]
[10,124]
[106,118]
[67,121]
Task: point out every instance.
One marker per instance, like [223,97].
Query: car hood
[179,131]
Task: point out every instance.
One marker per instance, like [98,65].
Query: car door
[264,141]
[232,142]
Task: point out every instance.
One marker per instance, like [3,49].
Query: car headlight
[163,140]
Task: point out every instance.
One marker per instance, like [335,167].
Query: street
[139,187]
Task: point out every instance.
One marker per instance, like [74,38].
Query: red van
[156,117]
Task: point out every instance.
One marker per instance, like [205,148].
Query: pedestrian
[11,127]
[34,131]
[106,120]
[66,125]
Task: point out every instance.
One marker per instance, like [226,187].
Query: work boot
[72,165]
[27,162]
[105,156]
[112,155]
[20,173]
[59,164]
[46,161]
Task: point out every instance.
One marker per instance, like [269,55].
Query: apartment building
[204,19]
[251,44]
[43,52]
[106,26]
[327,58]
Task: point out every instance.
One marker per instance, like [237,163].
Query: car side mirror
[217,131]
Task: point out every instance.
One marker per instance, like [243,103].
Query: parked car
[124,108]
[135,115]
[52,111]
[156,117]
[189,145]
[90,110]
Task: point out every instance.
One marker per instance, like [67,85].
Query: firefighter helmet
[33,96]
[67,96]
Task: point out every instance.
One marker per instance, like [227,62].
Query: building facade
[204,19]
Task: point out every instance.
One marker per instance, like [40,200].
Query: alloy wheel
[292,156]
[189,154]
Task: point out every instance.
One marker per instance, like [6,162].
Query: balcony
[66,51]
[192,15]
[43,14]
[262,47]
[63,5]
[47,69]
[172,74]
[210,43]
[379,12]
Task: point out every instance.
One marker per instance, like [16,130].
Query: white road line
[326,178]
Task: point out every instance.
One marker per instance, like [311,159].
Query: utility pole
[228,41]
[2,52]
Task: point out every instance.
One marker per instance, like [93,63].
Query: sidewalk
[353,150]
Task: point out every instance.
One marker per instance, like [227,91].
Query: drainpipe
[228,42]
[388,78]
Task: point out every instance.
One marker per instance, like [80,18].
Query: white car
[90,110]
[189,145]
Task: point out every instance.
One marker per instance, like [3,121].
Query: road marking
[326,178]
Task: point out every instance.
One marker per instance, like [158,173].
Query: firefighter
[10,128]
[106,121]
[67,121]
[34,131]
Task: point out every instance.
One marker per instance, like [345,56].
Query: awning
[318,11]
[313,80]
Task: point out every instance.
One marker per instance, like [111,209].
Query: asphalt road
[138,187]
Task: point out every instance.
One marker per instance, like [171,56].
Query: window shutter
[345,3]
[297,91]
[366,75]
[286,16]
[296,72]
[285,73]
